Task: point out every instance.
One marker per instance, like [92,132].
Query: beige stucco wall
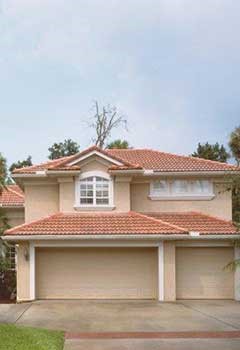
[122,194]
[220,205]
[15,216]
[169,271]
[23,273]
[66,194]
[41,200]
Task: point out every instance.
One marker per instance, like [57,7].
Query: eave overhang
[164,237]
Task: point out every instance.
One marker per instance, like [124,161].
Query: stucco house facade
[126,224]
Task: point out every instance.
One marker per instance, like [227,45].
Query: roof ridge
[162,221]
[25,224]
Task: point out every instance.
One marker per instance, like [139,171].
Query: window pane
[201,186]
[89,179]
[102,200]
[101,179]
[86,200]
[180,186]
[160,186]
[89,193]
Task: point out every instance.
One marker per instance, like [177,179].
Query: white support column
[161,271]
[32,270]
[237,274]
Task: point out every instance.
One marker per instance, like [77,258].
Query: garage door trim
[158,245]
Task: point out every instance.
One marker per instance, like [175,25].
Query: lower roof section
[130,224]
[197,222]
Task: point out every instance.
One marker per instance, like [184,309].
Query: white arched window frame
[91,188]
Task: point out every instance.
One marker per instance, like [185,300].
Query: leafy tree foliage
[121,144]
[212,152]
[105,119]
[234,144]
[3,171]
[21,163]
[63,149]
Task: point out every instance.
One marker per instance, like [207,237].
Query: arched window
[94,190]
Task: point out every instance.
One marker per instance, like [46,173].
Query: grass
[26,338]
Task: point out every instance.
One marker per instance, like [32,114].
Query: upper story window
[94,190]
[181,189]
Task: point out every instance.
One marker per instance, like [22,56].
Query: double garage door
[96,273]
[130,273]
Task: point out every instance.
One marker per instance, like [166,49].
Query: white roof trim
[97,153]
[149,172]
[19,175]
[113,237]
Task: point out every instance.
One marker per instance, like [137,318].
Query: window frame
[93,205]
[189,195]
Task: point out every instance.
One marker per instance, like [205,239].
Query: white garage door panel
[201,274]
[92,273]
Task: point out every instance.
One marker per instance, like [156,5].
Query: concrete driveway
[134,316]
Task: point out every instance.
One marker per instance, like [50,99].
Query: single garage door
[96,273]
[201,275]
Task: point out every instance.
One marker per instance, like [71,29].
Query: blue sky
[170,66]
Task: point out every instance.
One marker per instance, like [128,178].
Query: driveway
[136,316]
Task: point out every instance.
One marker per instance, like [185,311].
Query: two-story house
[126,224]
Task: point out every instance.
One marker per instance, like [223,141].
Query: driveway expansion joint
[208,315]
[25,310]
[154,335]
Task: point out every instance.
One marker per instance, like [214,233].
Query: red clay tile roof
[50,165]
[164,162]
[130,223]
[198,222]
[12,196]
[135,159]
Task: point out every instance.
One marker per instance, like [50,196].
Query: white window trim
[173,196]
[161,271]
[85,175]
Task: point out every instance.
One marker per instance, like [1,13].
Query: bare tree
[105,120]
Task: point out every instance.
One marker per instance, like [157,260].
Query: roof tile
[96,224]
[12,196]
[136,159]
[198,222]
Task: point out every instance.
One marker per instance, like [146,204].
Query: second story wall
[220,205]
[41,199]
